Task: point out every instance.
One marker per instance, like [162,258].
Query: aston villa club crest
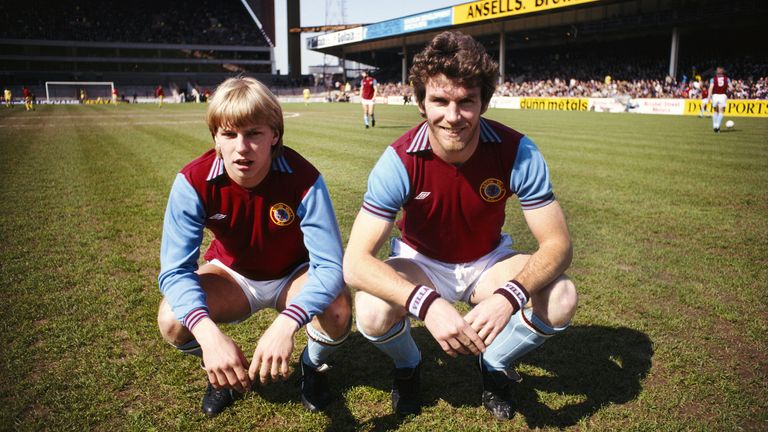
[492,190]
[281,214]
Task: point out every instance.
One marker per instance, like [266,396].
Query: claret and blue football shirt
[455,213]
[263,233]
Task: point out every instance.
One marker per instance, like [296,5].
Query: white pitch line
[36,125]
[111,123]
[109,115]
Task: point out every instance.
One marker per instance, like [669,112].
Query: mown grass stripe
[664,214]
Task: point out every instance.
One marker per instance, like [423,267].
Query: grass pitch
[670,230]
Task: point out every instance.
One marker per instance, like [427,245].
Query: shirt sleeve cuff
[538,203]
[296,313]
[378,211]
[194,317]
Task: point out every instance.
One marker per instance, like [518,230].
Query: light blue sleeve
[180,248]
[530,177]
[323,241]
[388,187]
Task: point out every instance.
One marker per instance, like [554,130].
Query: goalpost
[71,90]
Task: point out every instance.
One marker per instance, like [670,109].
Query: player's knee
[170,328]
[566,299]
[337,316]
[374,316]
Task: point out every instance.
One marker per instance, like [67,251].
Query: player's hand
[273,352]
[451,331]
[489,317]
[223,360]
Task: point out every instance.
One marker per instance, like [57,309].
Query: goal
[72,91]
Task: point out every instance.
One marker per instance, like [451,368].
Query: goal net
[82,91]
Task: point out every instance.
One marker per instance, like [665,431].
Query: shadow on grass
[356,363]
[590,366]
[596,365]
[337,411]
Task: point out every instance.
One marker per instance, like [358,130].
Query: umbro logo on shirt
[422,195]
[218,216]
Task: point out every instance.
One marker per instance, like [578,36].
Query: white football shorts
[719,100]
[369,102]
[260,294]
[454,282]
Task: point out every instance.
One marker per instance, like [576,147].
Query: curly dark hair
[460,58]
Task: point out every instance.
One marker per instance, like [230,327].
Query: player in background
[114,96]
[276,245]
[451,176]
[83,96]
[368,89]
[27,98]
[160,95]
[8,98]
[692,90]
[719,86]
[306,94]
[704,99]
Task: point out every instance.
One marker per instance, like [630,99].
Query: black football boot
[216,400]
[498,391]
[314,386]
[406,391]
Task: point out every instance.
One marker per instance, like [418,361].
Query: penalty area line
[103,123]
[110,123]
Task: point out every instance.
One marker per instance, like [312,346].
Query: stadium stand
[580,71]
[190,46]
[205,22]
[138,45]
[570,49]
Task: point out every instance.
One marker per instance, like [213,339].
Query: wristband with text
[420,300]
[515,293]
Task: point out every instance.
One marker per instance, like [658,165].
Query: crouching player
[276,245]
[451,175]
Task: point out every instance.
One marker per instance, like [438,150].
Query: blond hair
[244,101]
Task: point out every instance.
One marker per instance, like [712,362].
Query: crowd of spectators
[641,88]
[638,68]
[665,88]
[582,75]
[207,22]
